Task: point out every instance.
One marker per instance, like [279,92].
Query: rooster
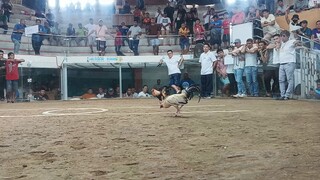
[177,100]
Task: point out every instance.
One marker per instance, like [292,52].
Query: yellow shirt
[184,31]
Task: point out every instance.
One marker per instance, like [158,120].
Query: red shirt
[226,26]
[12,72]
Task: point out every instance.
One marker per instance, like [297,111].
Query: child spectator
[199,31]
[124,31]
[315,93]
[221,69]
[226,30]
[184,39]
[118,42]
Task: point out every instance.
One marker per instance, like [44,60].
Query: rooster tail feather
[191,90]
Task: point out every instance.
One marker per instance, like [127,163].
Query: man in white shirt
[238,66]
[207,58]
[92,38]
[165,23]
[101,32]
[173,63]
[206,18]
[144,93]
[134,34]
[269,25]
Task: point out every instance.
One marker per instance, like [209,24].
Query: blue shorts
[184,43]
[155,42]
[225,80]
[12,85]
[175,79]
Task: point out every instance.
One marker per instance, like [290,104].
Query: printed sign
[31,30]
[102,59]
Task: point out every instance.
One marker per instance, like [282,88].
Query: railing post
[303,74]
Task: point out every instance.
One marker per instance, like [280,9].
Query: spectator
[110,93]
[269,24]
[165,28]
[169,10]
[305,33]
[184,39]
[159,15]
[50,18]
[281,9]
[101,94]
[2,75]
[238,61]
[16,35]
[253,16]
[92,37]
[158,85]
[144,93]
[173,63]
[186,81]
[7,8]
[153,33]
[3,21]
[56,32]
[178,22]
[270,70]
[251,70]
[300,5]
[137,14]
[134,33]
[48,34]
[194,11]
[71,33]
[314,4]
[189,22]
[206,18]
[37,38]
[226,30]
[221,69]
[199,32]
[315,93]
[181,3]
[81,34]
[126,9]
[146,20]
[12,76]
[294,24]
[118,42]
[88,95]
[124,31]
[238,16]
[270,5]
[41,96]
[134,93]
[128,93]
[140,4]
[182,11]
[207,58]
[101,32]
[316,36]
[215,32]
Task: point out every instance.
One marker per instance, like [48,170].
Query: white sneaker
[242,95]
[236,95]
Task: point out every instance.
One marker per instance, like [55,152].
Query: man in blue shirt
[16,35]
[37,38]
[215,32]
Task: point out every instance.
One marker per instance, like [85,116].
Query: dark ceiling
[203,2]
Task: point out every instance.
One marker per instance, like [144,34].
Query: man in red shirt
[226,30]
[12,76]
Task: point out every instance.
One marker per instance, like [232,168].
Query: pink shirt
[102,32]
[238,18]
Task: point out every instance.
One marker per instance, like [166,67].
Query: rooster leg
[178,110]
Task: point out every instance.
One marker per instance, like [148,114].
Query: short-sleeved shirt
[217,23]
[206,60]
[154,29]
[81,32]
[270,29]
[183,32]
[172,65]
[101,32]
[238,18]
[316,34]
[17,35]
[12,72]
[287,52]
[91,27]
[135,30]
[226,26]
[164,21]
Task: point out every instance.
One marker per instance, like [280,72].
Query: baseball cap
[304,21]
[237,41]
[295,16]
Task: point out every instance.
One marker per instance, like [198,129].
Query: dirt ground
[134,139]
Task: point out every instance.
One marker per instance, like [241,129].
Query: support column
[64,82]
[120,80]
[137,78]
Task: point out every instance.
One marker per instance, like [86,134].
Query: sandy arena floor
[134,139]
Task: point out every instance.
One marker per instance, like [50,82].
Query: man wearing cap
[294,24]
[305,32]
[101,32]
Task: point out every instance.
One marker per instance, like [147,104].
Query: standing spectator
[126,9]
[50,18]
[182,11]
[253,16]
[287,57]
[37,38]
[16,35]
[124,31]
[165,28]
[251,70]
[7,8]
[178,22]
[184,39]
[12,76]
[316,36]
[169,10]
[281,9]
[294,24]
[159,15]
[173,63]
[48,34]
[140,4]
[199,32]
[56,32]
[137,14]
[300,5]
[181,3]
[134,33]
[158,86]
[206,18]
[153,33]
[81,34]
[238,16]
[118,42]
[269,24]
[2,75]
[92,37]
[207,58]
[215,32]
[3,21]
[189,22]
[194,11]
[305,33]
[226,30]
[101,32]
[144,93]
[238,61]
[221,69]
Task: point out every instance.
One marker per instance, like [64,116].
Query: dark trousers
[2,86]
[133,45]
[5,27]
[118,50]
[206,85]
[268,75]
[233,84]
[36,47]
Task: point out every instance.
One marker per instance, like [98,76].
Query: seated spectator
[110,93]
[56,32]
[137,14]
[199,31]
[3,21]
[7,8]
[50,18]
[88,95]
[189,22]
[158,86]
[81,35]
[281,9]
[300,5]
[101,94]
[144,93]
[315,93]
[186,81]
[184,39]
[134,93]
[146,21]
[269,24]
[126,9]
[305,32]
[153,32]
[314,4]
[71,33]
[316,36]
[128,93]
[41,96]
[238,16]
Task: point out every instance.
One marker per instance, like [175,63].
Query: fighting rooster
[176,100]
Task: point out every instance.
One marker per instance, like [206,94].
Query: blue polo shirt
[217,23]
[17,35]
